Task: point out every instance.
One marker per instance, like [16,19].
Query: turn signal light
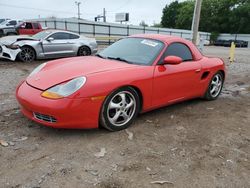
[51,95]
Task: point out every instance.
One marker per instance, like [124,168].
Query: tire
[120,109]
[27,54]
[84,51]
[215,86]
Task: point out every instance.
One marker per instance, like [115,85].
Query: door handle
[198,70]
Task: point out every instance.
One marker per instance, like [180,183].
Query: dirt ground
[191,144]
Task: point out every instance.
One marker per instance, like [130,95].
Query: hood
[12,39]
[3,26]
[59,71]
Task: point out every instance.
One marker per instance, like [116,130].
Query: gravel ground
[191,144]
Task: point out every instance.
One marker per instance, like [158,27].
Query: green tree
[169,15]
[184,17]
[219,16]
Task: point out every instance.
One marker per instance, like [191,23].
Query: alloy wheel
[121,108]
[27,54]
[216,85]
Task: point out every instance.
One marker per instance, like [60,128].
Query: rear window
[72,36]
[36,26]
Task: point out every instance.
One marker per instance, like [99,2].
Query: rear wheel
[27,54]
[84,51]
[215,86]
[120,108]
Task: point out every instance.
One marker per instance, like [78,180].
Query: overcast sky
[148,10]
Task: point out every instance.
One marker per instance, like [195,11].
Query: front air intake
[43,117]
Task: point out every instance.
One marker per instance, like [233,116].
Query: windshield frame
[151,62]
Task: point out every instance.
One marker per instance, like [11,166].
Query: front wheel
[215,86]
[27,54]
[120,108]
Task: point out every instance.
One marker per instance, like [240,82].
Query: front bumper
[82,113]
[8,53]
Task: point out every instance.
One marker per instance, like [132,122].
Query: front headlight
[65,89]
[37,69]
[12,46]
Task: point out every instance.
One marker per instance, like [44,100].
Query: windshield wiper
[98,55]
[120,59]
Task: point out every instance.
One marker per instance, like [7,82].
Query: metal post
[109,34]
[104,15]
[196,20]
[128,30]
[79,28]
[78,5]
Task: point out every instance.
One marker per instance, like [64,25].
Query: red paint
[174,60]
[160,85]
[34,28]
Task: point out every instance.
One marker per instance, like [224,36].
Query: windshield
[133,50]
[4,22]
[41,35]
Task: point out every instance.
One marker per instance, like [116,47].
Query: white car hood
[12,39]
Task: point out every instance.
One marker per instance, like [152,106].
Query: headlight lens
[65,89]
[37,69]
[13,46]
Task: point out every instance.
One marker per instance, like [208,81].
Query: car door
[176,82]
[58,45]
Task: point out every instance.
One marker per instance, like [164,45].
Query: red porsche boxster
[136,74]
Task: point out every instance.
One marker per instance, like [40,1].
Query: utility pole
[78,5]
[196,20]
[104,15]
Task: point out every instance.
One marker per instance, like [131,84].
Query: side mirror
[50,39]
[172,60]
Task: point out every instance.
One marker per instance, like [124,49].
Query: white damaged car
[46,44]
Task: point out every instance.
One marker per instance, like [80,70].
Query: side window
[72,36]
[60,36]
[35,25]
[179,50]
[28,25]
[13,22]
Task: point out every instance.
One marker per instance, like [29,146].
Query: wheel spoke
[113,105]
[213,89]
[125,116]
[123,97]
[130,104]
[116,116]
[213,82]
